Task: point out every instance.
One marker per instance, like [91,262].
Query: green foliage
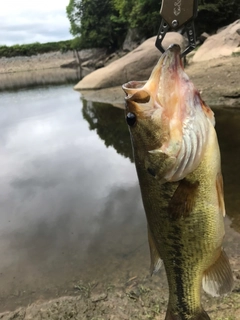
[144,16]
[104,23]
[76,43]
[35,48]
[100,26]
[214,14]
[74,18]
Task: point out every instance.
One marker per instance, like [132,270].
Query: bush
[35,48]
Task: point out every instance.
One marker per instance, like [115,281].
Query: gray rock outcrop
[221,44]
[137,65]
[132,40]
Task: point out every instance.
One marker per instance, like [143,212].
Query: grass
[85,289]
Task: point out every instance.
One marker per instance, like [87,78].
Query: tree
[140,14]
[74,18]
[214,14]
[96,21]
[104,23]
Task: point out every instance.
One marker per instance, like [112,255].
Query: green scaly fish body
[178,164]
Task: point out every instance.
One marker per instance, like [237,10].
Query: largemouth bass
[177,159]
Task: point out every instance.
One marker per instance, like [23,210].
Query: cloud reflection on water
[56,180]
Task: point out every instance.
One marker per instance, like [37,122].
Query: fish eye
[131,119]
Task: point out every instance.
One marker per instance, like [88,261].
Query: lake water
[70,206]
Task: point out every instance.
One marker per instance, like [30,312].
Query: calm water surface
[70,207]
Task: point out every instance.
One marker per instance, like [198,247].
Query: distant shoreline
[207,76]
[26,70]
[37,62]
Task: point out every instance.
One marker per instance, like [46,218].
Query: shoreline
[33,63]
[218,80]
[27,70]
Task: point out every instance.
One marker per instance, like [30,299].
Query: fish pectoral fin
[156,261]
[218,279]
[219,186]
[183,200]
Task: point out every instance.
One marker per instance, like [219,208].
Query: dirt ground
[143,298]
[137,298]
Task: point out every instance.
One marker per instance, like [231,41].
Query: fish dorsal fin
[219,186]
[156,261]
[218,279]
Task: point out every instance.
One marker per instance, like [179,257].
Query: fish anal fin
[200,315]
[220,193]
[183,200]
[218,279]
[156,261]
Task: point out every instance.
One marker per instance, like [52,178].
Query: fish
[178,164]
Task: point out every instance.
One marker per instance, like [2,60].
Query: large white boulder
[136,65]
[221,44]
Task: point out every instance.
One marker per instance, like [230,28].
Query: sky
[28,21]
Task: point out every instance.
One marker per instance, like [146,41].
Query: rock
[99,297]
[132,40]
[92,54]
[88,64]
[221,29]
[236,52]
[220,44]
[99,64]
[72,64]
[204,36]
[137,64]
[114,96]
[114,56]
[92,58]
[189,57]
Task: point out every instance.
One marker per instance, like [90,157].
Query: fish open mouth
[163,80]
[169,104]
[134,85]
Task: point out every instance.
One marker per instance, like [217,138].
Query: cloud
[34,21]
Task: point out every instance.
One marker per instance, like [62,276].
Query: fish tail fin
[201,315]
